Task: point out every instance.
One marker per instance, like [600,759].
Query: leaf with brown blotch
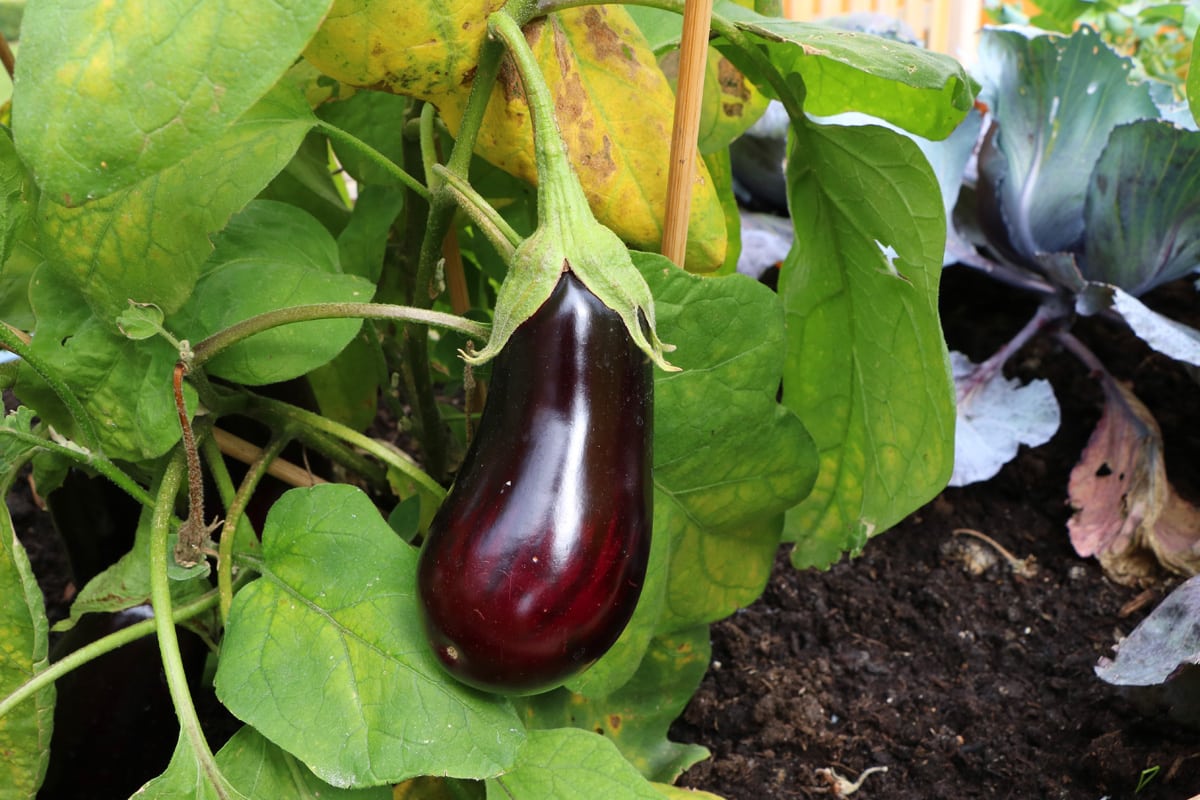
[1127,514]
[614,109]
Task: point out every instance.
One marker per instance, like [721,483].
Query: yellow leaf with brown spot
[614,109]
[423,49]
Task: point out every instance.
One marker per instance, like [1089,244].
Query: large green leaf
[1142,220]
[147,242]
[728,460]
[867,368]
[921,91]
[109,93]
[270,256]
[324,654]
[124,385]
[636,717]
[261,771]
[24,642]
[571,764]
[1056,99]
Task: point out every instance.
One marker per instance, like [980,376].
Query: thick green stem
[12,341]
[93,650]
[164,626]
[234,516]
[338,135]
[230,336]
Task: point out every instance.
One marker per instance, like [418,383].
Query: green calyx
[568,237]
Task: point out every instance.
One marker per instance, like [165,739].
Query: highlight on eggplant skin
[534,563]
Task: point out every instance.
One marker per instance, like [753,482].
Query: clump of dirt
[933,655]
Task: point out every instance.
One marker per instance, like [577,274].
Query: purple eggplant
[535,561]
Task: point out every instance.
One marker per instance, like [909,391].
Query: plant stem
[13,340]
[235,333]
[106,644]
[234,515]
[387,454]
[164,625]
[1047,313]
[482,213]
[685,130]
[89,460]
[338,135]
[1082,352]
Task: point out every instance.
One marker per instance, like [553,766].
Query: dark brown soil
[961,683]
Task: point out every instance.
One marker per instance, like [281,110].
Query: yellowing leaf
[420,49]
[25,731]
[614,109]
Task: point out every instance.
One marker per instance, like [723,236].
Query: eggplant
[535,561]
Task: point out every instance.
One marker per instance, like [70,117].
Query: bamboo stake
[693,53]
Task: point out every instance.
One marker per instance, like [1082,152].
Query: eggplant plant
[300,245]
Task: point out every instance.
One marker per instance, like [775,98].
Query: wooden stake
[693,53]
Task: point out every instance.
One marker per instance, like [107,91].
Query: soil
[935,659]
[928,655]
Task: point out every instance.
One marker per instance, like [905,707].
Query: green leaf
[347,388]
[728,460]
[108,94]
[1193,84]
[126,583]
[24,731]
[126,386]
[720,168]
[140,321]
[14,208]
[184,779]
[571,764]
[15,275]
[147,242]
[636,717]
[363,242]
[324,654]
[270,256]
[921,91]
[1141,219]
[867,367]
[261,771]
[17,443]
[1056,98]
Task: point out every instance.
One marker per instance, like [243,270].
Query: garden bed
[925,655]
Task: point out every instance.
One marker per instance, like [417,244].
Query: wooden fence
[947,26]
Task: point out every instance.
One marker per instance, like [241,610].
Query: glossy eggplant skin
[534,563]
